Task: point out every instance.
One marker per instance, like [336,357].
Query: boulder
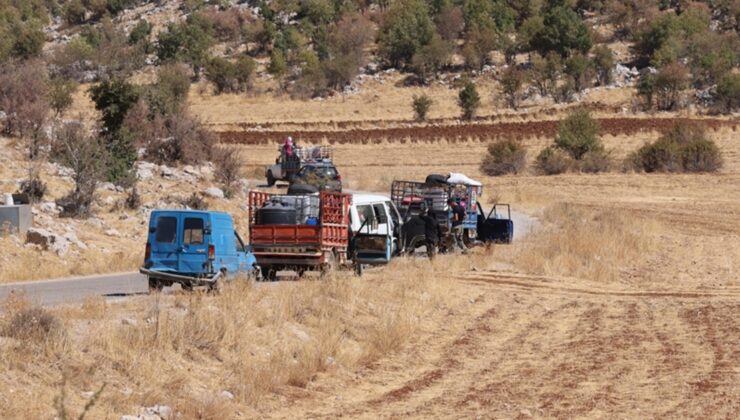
[214,192]
[167,172]
[49,207]
[47,240]
[112,233]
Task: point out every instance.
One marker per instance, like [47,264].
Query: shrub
[36,325]
[406,28]
[545,72]
[603,63]
[140,33]
[562,31]
[504,157]
[86,156]
[23,97]
[179,138]
[728,92]
[646,89]
[74,12]
[478,44]
[595,161]
[511,85]
[450,22]
[228,76]
[578,134]
[33,186]
[278,65]
[430,58]
[113,98]
[60,94]
[670,81]
[580,70]
[468,100]
[228,169]
[552,161]
[421,104]
[685,148]
[188,41]
[170,93]
[194,202]
[133,199]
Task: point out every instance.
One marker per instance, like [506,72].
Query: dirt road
[69,290]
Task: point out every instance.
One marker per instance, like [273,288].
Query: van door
[373,243]
[194,239]
[164,241]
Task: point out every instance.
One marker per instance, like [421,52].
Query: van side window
[166,230]
[193,231]
[380,213]
[393,212]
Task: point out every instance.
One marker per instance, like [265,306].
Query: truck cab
[193,248]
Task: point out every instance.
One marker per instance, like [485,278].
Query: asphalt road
[121,285]
[70,290]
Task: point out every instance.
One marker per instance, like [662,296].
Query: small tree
[562,31]
[421,104]
[646,88]
[169,94]
[60,94]
[603,63]
[670,81]
[228,169]
[75,148]
[430,58]
[504,157]
[580,70]
[468,100]
[278,66]
[545,72]
[578,134]
[728,92]
[511,85]
[406,28]
[33,186]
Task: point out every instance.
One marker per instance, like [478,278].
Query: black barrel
[275,213]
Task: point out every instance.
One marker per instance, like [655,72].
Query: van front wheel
[155,285]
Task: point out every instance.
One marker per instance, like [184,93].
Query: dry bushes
[228,169]
[553,161]
[504,157]
[35,329]
[685,148]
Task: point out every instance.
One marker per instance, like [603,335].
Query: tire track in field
[564,285]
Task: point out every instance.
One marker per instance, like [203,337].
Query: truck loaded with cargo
[299,233]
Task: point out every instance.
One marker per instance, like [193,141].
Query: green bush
[511,85]
[504,157]
[552,161]
[578,134]
[229,76]
[580,70]
[685,148]
[468,100]
[421,105]
[670,82]
[406,28]
[60,94]
[562,31]
[169,94]
[603,63]
[728,92]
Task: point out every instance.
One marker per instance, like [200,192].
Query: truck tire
[268,274]
[270,179]
[155,285]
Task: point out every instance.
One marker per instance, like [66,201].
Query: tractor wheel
[270,179]
[358,269]
[155,285]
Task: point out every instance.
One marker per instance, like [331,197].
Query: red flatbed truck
[301,247]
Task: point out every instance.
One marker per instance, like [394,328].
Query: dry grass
[183,350]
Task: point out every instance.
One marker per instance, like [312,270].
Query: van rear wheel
[270,179]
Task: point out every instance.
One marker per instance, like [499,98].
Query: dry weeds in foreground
[184,350]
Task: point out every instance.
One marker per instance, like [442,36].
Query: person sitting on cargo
[288,147]
[458,216]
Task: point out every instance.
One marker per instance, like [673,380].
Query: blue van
[194,248]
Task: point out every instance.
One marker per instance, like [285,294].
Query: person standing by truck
[458,216]
[431,231]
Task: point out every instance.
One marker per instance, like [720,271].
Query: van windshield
[166,230]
